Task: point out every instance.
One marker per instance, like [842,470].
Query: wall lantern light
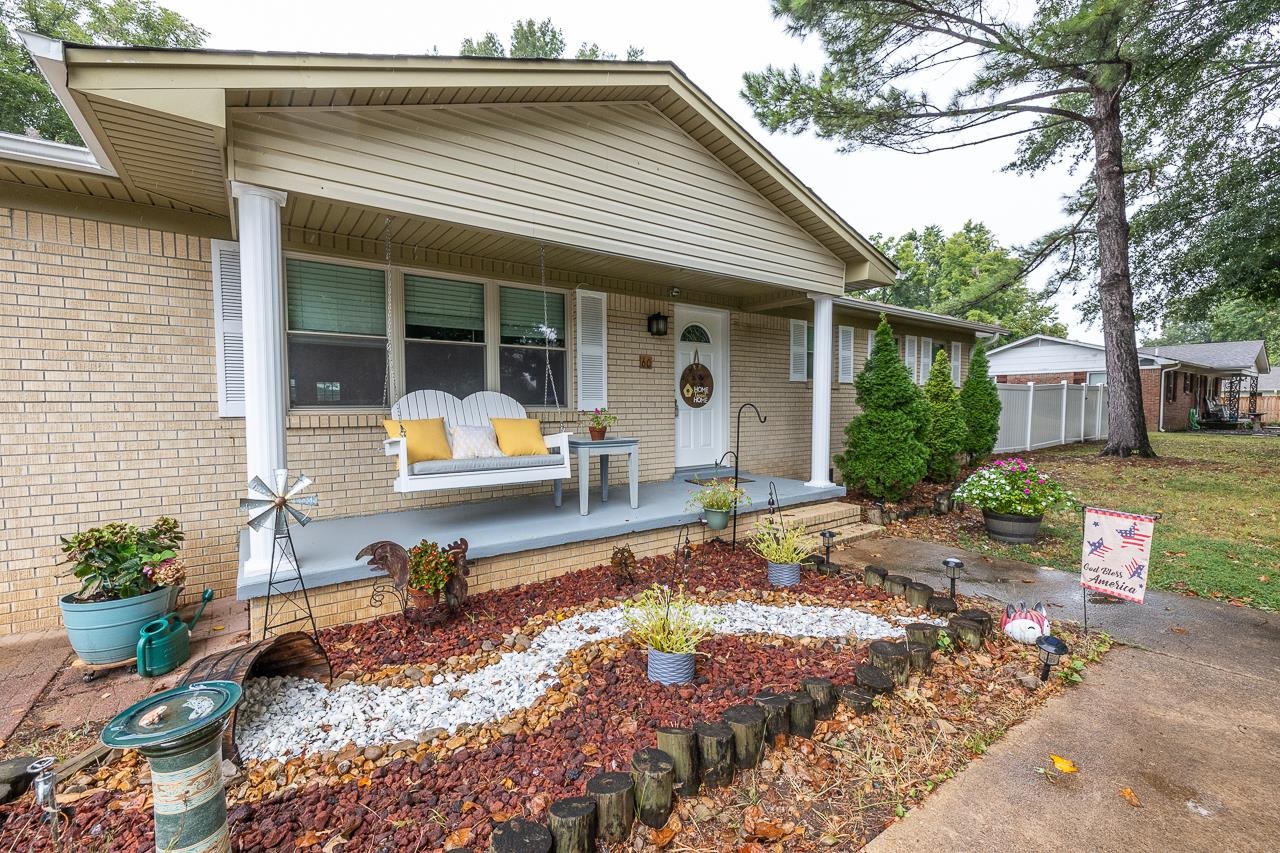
[658,324]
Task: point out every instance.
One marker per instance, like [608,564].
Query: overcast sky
[714,42]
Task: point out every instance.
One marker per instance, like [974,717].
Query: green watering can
[165,644]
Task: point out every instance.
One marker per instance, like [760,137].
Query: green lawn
[1218,497]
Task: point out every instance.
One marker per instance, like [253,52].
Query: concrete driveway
[1186,715]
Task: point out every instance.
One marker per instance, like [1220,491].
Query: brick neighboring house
[256,253]
[1175,379]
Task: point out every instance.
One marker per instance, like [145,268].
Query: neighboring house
[256,253]
[1175,379]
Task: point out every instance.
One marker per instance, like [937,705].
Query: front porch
[525,525]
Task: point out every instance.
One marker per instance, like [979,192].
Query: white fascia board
[50,58]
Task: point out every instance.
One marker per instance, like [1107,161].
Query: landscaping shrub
[980,403]
[947,431]
[884,446]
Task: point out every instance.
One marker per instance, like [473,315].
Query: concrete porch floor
[327,547]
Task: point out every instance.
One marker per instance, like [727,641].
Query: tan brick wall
[108,394]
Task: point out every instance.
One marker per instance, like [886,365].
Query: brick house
[255,254]
[1175,379]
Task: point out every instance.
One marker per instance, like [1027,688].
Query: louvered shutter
[911,359]
[871,342]
[844,363]
[799,350]
[592,351]
[228,328]
[926,359]
[955,363]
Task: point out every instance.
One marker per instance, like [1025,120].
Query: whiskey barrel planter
[1014,529]
[296,653]
[873,576]
[572,822]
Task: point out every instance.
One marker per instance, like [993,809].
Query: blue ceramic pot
[107,631]
[717,519]
[668,668]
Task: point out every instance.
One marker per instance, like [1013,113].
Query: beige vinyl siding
[615,178]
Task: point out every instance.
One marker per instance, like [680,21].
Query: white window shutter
[909,356]
[799,350]
[228,328]
[844,363]
[955,363]
[871,342]
[593,351]
[926,359]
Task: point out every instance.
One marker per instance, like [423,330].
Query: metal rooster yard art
[392,558]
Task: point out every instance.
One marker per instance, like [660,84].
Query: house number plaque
[696,385]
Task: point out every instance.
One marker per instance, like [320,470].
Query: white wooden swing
[476,410]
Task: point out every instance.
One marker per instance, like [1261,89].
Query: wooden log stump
[893,658]
[520,835]
[572,822]
[918,594]
[921,657]
[653,774]
[777,715]
[969,632]
[857,699]
[942,605]
[951,635]
[747,722]
[715,753]
[679,743]
[922,634]
[982,617]
[873,678]
[803,714]
[614,794]
[823,692]
[873,576]
[896,584]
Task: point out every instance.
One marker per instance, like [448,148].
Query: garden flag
[1116,553]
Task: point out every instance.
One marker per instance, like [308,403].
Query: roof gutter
[50,58]
[1160,420]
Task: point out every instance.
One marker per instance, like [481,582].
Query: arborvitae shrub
[884,446]
[980,402]
[947,431]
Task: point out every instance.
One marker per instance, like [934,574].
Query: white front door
[702,431]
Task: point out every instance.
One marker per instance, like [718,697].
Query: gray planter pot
[717,519]
[668,668]
[784,574]
[107,631]
[1014,529]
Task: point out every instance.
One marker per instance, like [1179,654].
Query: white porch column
[820,444]
[262,305]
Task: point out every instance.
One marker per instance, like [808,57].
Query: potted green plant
[717,500]
[784,545]
[1013,497]
[430,570]
[128,576]
[670,626]
[599,422]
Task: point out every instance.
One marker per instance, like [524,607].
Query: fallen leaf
[460,837]
[1130,797]
[1063,765]
[223,628]
[768,831]
[307,839]
[753,847]
[48,727]
[662,837]
[1178,629]
[333,843]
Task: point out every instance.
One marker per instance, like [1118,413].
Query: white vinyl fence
[1034,416]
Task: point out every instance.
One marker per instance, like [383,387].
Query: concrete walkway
[1187,715]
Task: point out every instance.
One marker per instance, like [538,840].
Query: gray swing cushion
[493,463]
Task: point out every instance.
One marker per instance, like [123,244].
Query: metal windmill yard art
[274,506]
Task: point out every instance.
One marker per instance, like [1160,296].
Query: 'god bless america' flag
[1116,553]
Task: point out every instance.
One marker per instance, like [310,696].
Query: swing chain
[549,383]
[388,377]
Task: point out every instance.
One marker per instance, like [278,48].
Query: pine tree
[980,403]
[884,446]
[947,431]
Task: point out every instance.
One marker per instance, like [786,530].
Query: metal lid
[171,715]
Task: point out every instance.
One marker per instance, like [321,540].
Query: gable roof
[114,93]
[1240,356]
[1021,342]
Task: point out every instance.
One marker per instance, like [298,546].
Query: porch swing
[476,410]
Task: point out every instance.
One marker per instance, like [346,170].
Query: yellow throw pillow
[519,436]
[426,438]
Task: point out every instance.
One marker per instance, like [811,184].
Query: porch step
[853,532]
[828,515]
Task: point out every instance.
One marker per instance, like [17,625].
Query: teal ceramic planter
[717,519]
[107,631]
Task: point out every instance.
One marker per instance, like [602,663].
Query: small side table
[585,448]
